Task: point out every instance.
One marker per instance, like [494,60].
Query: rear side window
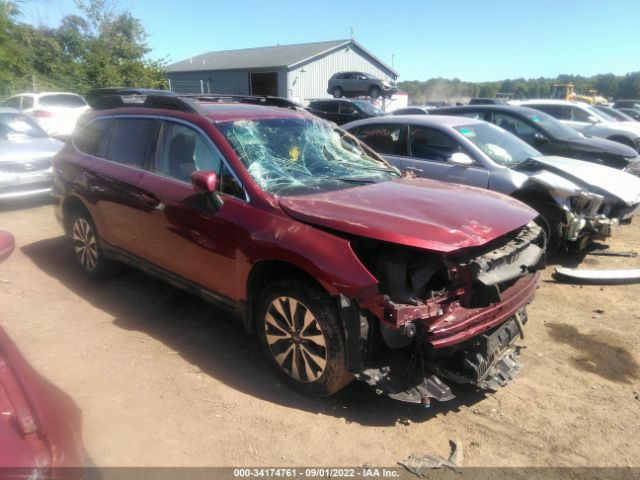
[92,138]
[381,138]
[13,102]
[62,100]
[132,140]
[27,102]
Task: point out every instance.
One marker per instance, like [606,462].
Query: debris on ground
[609,253]
[598,276]
[420,466]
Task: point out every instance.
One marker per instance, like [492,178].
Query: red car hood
[421,213]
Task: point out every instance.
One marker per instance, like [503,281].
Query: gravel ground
[164,379]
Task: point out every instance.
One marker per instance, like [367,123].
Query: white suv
[57,112]
[588,120]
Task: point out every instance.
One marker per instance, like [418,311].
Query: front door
[429,151]
[184,234]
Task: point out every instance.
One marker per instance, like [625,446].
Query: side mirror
[461,159]
[539,138]
[593,119]
[205,182]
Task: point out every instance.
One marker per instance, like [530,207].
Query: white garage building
[298,72]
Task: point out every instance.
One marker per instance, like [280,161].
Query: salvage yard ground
[163,378]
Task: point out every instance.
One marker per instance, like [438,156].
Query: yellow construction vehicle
[565,91]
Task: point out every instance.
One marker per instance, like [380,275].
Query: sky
[471,40]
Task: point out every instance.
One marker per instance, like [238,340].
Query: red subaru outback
[343,266]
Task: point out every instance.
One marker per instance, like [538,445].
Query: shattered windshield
[294,156]
[502,147]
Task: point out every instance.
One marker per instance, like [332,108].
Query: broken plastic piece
[599,277]
[609,253]
[421,466]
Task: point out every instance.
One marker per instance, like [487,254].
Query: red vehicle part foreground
[39,424]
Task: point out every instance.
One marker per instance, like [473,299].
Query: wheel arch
[71,204]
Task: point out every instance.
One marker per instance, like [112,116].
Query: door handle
[150,199]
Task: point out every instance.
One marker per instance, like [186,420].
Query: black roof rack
[184,102]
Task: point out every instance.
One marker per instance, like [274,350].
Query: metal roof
[264,57]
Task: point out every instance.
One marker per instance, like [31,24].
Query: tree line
[101,47]
[440,89]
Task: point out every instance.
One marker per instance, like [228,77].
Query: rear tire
[85,243]
[337,92]
[301,336]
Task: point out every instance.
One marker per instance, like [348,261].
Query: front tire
[300,334]
[551,221]
[374,92]
[85,243]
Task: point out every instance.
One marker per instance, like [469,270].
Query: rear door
[429,151]
[118,151]
[184,234]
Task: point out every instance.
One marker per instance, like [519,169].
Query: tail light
[42,114]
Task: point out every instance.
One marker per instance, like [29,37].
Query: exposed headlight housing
[585,203]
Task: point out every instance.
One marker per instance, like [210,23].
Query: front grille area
[27,166]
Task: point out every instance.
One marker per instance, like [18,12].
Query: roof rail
[184,102]
[265,100]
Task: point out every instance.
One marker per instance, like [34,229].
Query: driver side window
[184,151]
[579,115]
[513,125]
[430,144]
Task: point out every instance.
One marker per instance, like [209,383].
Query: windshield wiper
[375,169]
[352,180]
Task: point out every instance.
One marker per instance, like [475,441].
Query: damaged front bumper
[490,362]
[594,218]
[465,335]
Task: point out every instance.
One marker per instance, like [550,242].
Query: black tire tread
[335,376]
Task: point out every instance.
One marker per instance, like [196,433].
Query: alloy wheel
[295,339]
[85,244]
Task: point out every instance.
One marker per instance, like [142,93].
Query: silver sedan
[26,151]
[577,200]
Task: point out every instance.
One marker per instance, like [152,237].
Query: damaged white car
[578,201]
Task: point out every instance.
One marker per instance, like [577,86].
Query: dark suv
[343,111]
[344,267]
[357,84]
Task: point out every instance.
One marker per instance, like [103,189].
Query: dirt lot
[163,378]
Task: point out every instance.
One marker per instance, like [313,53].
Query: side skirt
[235,307]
